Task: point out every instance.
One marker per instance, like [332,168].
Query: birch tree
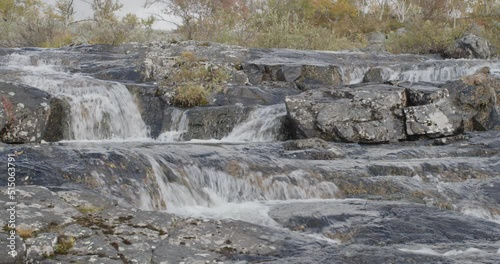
[65,10]
[402,9]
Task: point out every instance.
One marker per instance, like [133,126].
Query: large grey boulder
[423,94]
[376,42]
[471,47]
[475,98]
[24,113]
[374,75]
[371,114]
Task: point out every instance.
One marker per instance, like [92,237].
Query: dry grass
[194,80]
[89,209]
[64,245]
[25,232]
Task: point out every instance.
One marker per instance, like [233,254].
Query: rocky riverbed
[302,157]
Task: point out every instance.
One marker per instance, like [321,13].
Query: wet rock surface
[24,114]
[309,200]
[446,209]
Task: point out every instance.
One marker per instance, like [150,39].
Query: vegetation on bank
[412,26]
[194,80]
[37,24]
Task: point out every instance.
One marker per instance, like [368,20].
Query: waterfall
[431,71]
[179,126]
[262,125]
[99,109]
[444,72]
[189,188]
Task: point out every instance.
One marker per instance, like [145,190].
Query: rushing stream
[248,174]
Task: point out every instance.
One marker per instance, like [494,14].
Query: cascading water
[99,109]
[442,72]
[179,126]
[262,125]
[432,71]
[188,189]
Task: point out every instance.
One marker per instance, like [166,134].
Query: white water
[194,191]
[451,253]
[179,126]
[262,125]
[438,71]
[99,109]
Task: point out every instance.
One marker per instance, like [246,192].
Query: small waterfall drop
[431,71]
[179,121]
[444,72]
[262,125]
[99,109]
[191,188]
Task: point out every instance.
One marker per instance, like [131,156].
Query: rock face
[432,120]
[408,196]
[58,125]
[24,114]
[301,75]
[253,95]
[150,105]
[475,98]
[471,47]
[375,114]
[204,122]
[381,113]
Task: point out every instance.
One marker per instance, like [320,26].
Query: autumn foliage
[334,24]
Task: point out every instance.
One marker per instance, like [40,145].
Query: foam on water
[451,253]
[252,212]
[99,109]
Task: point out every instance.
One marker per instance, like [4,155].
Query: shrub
[64,244]
[194,80]
[190,95]
[423,38]
[89,209]
[25,232]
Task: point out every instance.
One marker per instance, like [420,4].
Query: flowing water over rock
[99,109]
[216,184]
